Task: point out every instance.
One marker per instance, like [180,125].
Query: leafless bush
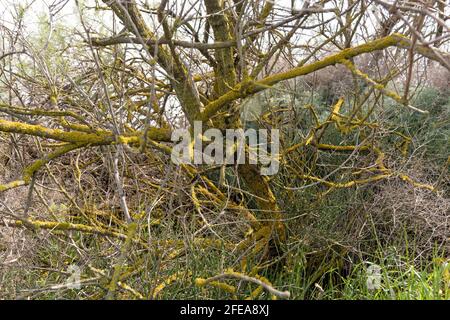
[439,77]
[416,221]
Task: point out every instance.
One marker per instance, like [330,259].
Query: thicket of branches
[358,89]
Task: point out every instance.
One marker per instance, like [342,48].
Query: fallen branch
[232,274]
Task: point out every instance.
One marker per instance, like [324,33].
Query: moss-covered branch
[224,71]
[64,226]
[38,164]
[101,137]
[236,275]
[246,88]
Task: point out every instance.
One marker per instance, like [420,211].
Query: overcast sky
[65,10]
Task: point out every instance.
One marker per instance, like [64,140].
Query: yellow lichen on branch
[345,184]
[11,185]
[404,177]
[76,139]
[64,226]
[35,166]
[381,87]
[99,138]
[395,39]
[250,88]
[172,278]
[263,282]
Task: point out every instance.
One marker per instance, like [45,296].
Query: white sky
[34,9]
[66,10]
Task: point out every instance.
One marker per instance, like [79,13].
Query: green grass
[399,279]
